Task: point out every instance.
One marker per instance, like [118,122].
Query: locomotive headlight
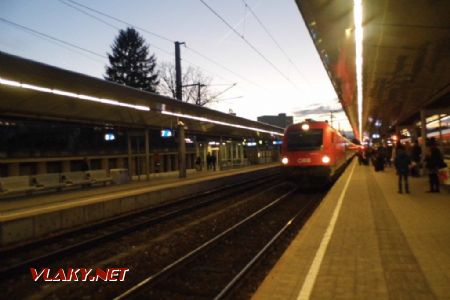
[325,159]
[285,161]
[305,126]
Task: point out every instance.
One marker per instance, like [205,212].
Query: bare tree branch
[192,78]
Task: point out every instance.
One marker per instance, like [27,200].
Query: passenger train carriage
[314,152]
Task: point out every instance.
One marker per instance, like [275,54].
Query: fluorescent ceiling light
[7,82]
[202,119]
[357,15]
[27,86]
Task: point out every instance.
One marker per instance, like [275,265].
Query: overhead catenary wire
[54,39]
[226,99]
[82,9]
[50,37]
[224,91]
[122,21]
[249,44]
[202,68]
[63,43]
[274,40]
[59,44]
[241,21]
[223,67]
[88,14]
[109,24]
[117,28]
[156,35]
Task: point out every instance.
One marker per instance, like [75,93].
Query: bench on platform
[99,176]
[48,181]
[75,178]
[15,184]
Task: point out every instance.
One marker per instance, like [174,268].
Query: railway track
[20,259]
[214,269]
[152,249]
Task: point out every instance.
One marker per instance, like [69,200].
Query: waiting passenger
[85,165]
[416,153]
[198,163]
[389,152]
[213,162]
[360,156]
[379,159]
[208,161]
[402,163]
[433,162]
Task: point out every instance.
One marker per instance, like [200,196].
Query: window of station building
[76,165]
[27,169]
[3,170]
[96,164]
[54,167]
[311,139]
[112,163]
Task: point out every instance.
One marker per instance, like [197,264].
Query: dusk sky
[300,84]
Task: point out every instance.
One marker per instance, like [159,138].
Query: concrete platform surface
[366,241]
[14,206]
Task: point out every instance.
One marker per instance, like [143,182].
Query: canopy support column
[147,154]
[423,131]
[181,150]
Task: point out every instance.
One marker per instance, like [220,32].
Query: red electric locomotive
[315,152]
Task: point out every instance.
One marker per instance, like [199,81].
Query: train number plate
[304,160]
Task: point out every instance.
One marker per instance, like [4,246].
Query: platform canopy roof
[406,56]
[35,90]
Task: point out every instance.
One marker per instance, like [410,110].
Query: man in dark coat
[209,161]
[416,153]
[433,161]
[213,162]
[402,163]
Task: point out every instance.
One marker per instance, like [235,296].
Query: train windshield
[304,139]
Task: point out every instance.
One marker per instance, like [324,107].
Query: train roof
[322,123]
[317,124]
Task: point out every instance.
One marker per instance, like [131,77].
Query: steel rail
[180,261]
[232,283]
[7,271]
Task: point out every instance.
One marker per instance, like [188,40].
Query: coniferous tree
[130,62]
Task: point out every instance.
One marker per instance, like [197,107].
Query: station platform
[25,219]
[366,241]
